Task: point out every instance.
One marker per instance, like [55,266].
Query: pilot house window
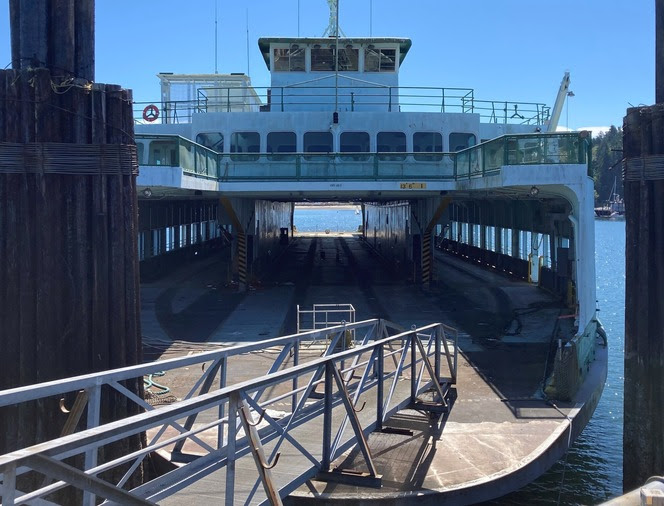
[349,59]
[379,60]
[289,59]
[322,58]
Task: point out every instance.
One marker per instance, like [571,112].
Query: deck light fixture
[147,193]
[534,191]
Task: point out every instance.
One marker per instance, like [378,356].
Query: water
[312,219]
[592,470]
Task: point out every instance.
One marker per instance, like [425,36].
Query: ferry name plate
[413,186]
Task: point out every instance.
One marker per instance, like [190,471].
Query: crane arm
[558,105]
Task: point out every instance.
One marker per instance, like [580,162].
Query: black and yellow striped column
[242,260]
[427,258]
[427,251]
[241,239]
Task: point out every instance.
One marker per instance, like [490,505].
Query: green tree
[606,166]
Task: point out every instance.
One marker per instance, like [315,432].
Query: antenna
[370,18]
[247,41]
[336,54]
[215,38]
[298,18]
[333,25]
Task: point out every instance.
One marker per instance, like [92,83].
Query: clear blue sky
[505,49]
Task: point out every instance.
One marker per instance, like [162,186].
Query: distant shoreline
[344,207]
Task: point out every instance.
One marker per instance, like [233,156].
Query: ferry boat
[489,184]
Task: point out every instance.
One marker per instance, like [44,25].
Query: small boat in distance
[612,208]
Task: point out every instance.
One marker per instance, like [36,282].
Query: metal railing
[523,149]
[321,316]
[380,359]
[481,160]
[357,98]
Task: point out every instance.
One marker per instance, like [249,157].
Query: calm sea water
[592,471]
[320,220]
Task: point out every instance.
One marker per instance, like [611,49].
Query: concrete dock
[500,434]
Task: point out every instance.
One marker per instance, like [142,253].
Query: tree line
[606,164]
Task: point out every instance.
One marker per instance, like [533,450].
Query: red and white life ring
[151,113]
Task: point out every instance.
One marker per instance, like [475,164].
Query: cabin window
[355,142]
[391,142]
[288,59]
[280,143]
[428,142]
[140,152]
[322,58]
[164,153]
[212,140]
[379,60]
[243,143]
[459,141]
[318,142]
[349,59]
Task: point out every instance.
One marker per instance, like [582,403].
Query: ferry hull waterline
[488,205]
[448,350]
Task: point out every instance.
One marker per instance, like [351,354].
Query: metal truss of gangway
[386,370]
[489,158]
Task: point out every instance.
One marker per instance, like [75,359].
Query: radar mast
[331,30]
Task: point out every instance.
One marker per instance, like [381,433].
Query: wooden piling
[643,440]
[69,300]
[643,177]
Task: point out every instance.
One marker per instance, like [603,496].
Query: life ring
[151,113]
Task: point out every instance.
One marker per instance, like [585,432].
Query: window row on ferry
[321,58]
[281,145]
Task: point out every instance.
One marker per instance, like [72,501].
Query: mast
[336,57]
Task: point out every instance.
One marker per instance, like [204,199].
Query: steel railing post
[389,107]
[439,333]
[327,418]
[94,413]
[379,387]
[413,366]
[9,485]
[223,367]
[343,343]
[296,361]
[233,404]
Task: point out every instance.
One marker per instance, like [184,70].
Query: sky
[516,50]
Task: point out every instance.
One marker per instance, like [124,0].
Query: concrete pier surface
[501,432]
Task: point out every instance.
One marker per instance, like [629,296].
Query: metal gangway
[242,428]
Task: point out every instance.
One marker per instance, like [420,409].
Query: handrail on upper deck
[365,96]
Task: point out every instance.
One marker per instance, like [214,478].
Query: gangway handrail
[46,457]
[93,380]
